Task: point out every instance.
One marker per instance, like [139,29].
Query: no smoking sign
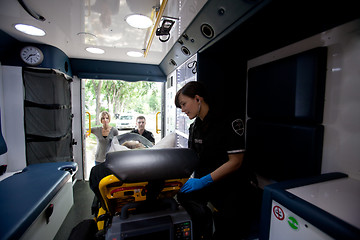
[278,213]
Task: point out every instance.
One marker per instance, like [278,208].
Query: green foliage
[103,109]
[154,102]
[118,96]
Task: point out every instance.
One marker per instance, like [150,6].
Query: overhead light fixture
[30,30]
[138,21]
[95,50]
[135,54]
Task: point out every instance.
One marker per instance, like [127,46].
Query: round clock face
[31,55]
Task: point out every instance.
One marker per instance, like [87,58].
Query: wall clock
[31,55]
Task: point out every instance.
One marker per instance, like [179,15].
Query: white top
[339,197]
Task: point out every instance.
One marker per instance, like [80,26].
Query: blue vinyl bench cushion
[25,195]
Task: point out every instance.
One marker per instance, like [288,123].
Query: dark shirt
[146,134]
[213,139]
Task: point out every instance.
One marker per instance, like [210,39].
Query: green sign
[293,223]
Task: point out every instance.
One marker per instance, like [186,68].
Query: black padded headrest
[142,165]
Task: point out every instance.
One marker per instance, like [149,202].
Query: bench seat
[25,195]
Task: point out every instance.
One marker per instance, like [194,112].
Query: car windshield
[126,118]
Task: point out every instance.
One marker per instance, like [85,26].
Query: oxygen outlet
[207,31]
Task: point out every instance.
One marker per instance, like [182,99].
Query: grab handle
[88,132]
[157,125]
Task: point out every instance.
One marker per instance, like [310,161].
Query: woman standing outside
[220,178]
[104,136]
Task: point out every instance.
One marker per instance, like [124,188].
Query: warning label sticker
[278,213]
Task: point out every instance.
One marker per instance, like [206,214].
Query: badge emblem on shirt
[196,140]
[238,126]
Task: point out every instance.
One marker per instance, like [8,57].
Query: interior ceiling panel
[73,25]
[215,20]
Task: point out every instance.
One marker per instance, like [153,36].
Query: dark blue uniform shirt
[213,139]
[146,134]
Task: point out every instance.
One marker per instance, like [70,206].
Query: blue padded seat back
[284,137]
[284,151]
[289,89]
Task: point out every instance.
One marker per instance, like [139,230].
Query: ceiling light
[95,50]
[135,54]
[28,29]
[138,21]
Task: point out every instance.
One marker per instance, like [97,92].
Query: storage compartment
[284,151]
[289,89]
[46,228]
[47,116]
[322,207]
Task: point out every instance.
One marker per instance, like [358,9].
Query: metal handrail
[161,11]
[157,119]
[88,132]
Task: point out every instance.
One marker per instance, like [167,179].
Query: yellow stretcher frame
[114,192]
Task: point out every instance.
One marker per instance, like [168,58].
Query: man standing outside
[140,124]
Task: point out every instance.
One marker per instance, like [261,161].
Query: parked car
[126,122]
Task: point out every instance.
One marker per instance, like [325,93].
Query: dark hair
[190,90]
[140,117]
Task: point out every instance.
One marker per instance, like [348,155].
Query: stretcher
[116,194]
[143,182]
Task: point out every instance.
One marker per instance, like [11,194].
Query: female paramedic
[220,178]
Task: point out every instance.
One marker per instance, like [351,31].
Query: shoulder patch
[238,126]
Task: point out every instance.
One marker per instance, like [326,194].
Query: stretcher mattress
[152,164]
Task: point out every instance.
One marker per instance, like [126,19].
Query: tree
[97,88]
[121,96]
[154,102]
[113,92]
[92,92]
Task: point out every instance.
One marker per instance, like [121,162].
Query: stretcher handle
[150,204]
[157,125]
[88,132]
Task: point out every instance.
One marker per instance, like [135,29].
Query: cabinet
[322,207]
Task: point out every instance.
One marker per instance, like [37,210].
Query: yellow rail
[157,125]
[161,11]
[88,132]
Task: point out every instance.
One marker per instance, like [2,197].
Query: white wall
[342,103]
[76,125]
[341,151]
[170,109]
[12,111]
[3,157]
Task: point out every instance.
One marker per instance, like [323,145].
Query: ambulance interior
[288,68]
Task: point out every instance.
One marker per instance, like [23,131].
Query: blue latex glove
[194,184]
